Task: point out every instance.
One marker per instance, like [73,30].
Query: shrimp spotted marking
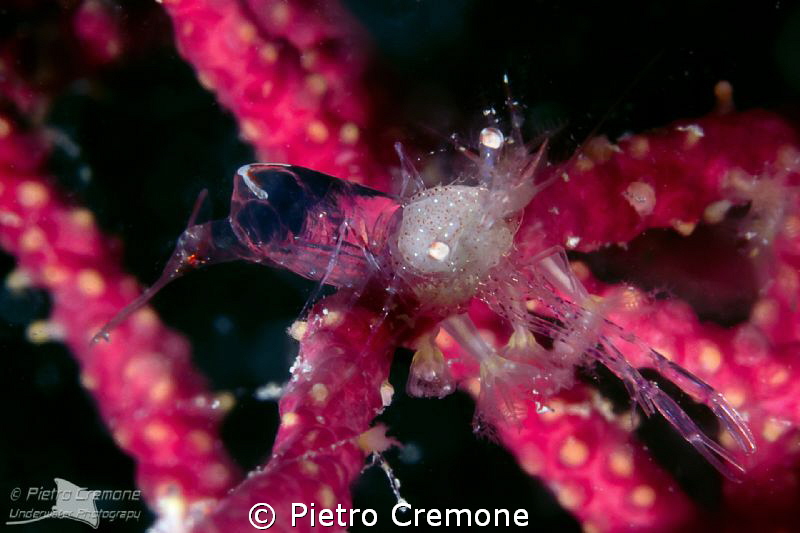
[434,250]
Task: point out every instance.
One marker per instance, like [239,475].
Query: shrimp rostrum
[439,248]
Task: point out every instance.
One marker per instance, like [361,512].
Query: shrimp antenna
[514,112]
[198,204]
[212,238]
[411,176]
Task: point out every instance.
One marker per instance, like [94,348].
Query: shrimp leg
[574,323]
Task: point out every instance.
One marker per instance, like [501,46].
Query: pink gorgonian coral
[492,309]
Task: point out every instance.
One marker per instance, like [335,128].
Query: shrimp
[439,248]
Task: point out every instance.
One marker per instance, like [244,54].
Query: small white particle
[439,251]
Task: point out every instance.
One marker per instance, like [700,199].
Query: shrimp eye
[259,223]
[272,200]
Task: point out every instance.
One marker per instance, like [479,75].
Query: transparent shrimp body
[440,248]
[315,225]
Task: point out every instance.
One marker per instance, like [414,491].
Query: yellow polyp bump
[216,475]
[683,227]
[791,226]
[532,305]
[488,336]
[225,401]
[161,390]
[187,29]
[280,13]
[112,48]
[246,32]
[250,130]
[298,329]
[32,194]
[632,298]
[18,280]
[319,392]
[33,239]
[589,527]
[326,497]
[778,376]
[122,437]
[138,365]
[666,352]
[639,147]
[643,496]
[641,196]
[569,496]
[556,410]
[88,381]
[316,84]
[170,504]
[53,275]
[205,80]
[307,59]
[90,282]
[349,133]
[201,441]
[317,131]
[145,317]
[474,386]
[580,269]
[444,340]
[387,393]
[765,312]
[787,279]
[710,357]
[311,437]
[573,452]
[584,164]
[727,440]
[600,149]
[82,218]
[332,318]
[266,88]
[375,440]
[693,134]
[530,460]
[268,52]
[723,92]
[773,429]
[309,468]
[621,463]
[290,419]
[714,213]
[5,127]
[735,396]
[156,432]
[39,332]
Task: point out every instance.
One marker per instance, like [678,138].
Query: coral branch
[668,178]
[155,403]
[290,72]
[333,395]
[678,177]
